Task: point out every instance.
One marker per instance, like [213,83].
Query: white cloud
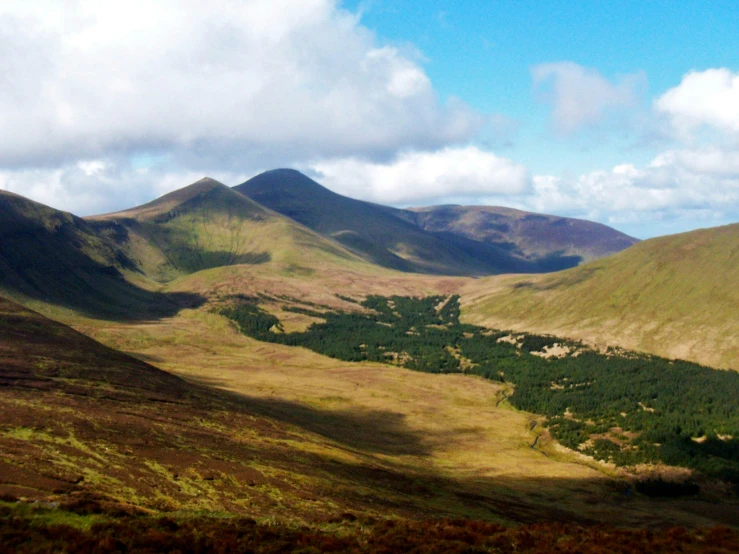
[219,84]
[703,98]
[425,176]
[582,97]
[696,187]
[98,186]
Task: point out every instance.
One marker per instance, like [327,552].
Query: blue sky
[621,112]
[483,52]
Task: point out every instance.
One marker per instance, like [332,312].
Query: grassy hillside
[49,257]
[455,436]
[380,234]
[207,225]
[532,236]
[91,430]
[675,296]
[89,433]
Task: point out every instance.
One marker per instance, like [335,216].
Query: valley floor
[455,432]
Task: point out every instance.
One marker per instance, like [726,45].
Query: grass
[295,436]
[431,429]
[673,296]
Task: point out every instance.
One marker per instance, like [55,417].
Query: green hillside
[532,236]
[208,225]
[675,296]
[383,235]
[54,258]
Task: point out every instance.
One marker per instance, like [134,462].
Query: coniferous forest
[618,406]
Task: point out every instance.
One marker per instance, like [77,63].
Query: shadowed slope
[85,425]
[207,225]
[675,296]
[382,235]
[93,430]
[533,236]
[38,353]
[57,258]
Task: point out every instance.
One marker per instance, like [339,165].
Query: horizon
[621,115]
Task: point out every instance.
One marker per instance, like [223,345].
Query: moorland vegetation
[616,406]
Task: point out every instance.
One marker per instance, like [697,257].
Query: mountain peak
[206,181]
[281,182]
[170,200]
[287,171]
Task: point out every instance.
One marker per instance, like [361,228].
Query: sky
[621,112]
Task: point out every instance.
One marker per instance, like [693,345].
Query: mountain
[387,236]
[532,236]
[115,265]
[54,257]
[675,296]
[208,225]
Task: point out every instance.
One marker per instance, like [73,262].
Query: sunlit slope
[54,258]
[675,296]
[382,235]
[546,238]
[207,225]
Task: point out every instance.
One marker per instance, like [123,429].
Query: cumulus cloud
[582,97]
[219,84]
[703,98]
[686,187]
[414,177]
[88,187]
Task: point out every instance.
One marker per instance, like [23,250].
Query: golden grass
[673,296]
[450,427]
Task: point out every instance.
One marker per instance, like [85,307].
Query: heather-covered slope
[675,296]
[532,236]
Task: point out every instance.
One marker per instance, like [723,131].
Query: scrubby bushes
[237,535]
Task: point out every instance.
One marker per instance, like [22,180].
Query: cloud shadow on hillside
[370,431]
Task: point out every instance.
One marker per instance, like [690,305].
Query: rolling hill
[532,236]
[208,225]
[675,296]
[94,431]
[115,265]
[55,258]
[402,239]
[185,416]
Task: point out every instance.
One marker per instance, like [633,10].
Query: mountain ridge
[52,257]
[207,225]
[389,236]
[533,235]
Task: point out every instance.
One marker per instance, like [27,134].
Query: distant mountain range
[112,264]
[529,235]
[652,296]
[446,240]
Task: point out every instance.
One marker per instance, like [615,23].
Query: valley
[207,357]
